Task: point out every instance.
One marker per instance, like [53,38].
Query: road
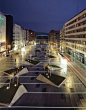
[71,95]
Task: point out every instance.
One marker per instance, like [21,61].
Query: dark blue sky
[41,15]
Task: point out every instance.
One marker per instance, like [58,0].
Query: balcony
[76,22]
[82,26]
[76,33]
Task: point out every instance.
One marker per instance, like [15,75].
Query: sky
[42,15]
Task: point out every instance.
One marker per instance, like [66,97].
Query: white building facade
[17,37]
[23,36]
[75,33]
[27,37]
[2,32]
[62,39]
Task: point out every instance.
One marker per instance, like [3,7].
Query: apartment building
[23,36]
[42,39]
[75,33]
[54,37]
[17,37]
[32,36]
[62,39]
[27,37]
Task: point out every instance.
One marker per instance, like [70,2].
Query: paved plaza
[71,95]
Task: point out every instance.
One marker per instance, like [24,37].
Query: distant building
[2,32]
[52,36]
[75,32]
[57,39]
[27,37]
[42,38]
[9,32]
[17,40]
[62,39]
[32,36]
[23,36]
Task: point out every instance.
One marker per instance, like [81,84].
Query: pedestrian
[15,60]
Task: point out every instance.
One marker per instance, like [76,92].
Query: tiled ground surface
[70,96]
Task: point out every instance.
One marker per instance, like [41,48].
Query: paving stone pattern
[71,94]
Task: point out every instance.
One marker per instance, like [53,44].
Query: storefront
[77,55]
[2,32]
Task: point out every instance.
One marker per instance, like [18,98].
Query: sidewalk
[2,58]
[81,66]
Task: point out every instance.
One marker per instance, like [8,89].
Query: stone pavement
[41,96]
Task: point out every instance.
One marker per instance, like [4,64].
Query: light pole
[30,57]
[17,79]
[10,76]
[49,61]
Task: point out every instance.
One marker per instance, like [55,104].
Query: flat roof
[42,35]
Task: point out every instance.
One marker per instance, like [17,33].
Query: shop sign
[1,21]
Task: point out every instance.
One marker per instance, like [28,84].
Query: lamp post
[49,61]
[44,65]
[50,68]
[30,57]
[44,70]
[50,71]
[49,52]
[10,76]
[17,79]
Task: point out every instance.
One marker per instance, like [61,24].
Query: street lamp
[17,80]
[30,57]
[10,76]
[49,61]
[49,67]
[49,52]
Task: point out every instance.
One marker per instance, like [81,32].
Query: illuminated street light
[44,65]
[49,52]
[10,76]
[17,79]
[23,49]
[30,57]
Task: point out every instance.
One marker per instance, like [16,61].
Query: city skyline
[41,15]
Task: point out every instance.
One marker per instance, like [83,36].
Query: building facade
[2,32]
[9,32]
[57,39]
[75,32]
[32,36]
[62,39]
[42,39]
[53,36]
[23,36]
[27,37]
[17,40]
